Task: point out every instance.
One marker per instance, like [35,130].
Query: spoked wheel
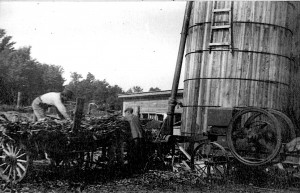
[254,136]
[210,161]
[14,162]
[181,162]
[158,156]
[157,162]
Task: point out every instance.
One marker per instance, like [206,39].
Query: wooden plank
[225,101]
[239,65]
[222,10]
[207,65]
[193,85]
[219,27]
[219,44]
[253,47]
[200,119]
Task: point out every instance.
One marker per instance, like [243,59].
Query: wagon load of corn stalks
[58,135]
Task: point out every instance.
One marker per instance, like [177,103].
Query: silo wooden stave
[255,73]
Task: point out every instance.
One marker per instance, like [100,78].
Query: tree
[16,72]
[99,91]
[90,77]
[20,73]
[113,101]
[74,83]
[154,89]
[6,47]
[52,77]
[129,91]
[135,89]
[5,43]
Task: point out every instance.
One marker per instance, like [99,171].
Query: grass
[5,108]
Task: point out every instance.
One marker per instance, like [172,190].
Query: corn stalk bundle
[57,137]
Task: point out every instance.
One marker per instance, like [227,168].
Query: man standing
[136,142]
[56,99]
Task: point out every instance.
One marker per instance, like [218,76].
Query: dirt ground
[44,179]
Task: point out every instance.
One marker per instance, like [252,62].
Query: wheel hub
[11,160]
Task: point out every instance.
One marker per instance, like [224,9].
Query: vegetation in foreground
[113,179]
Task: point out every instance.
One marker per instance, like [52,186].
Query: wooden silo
[246,60]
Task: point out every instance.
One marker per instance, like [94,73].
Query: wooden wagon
[24,143]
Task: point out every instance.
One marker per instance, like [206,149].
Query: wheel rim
[254,136]
[287,120]
[210,161]
[14,162]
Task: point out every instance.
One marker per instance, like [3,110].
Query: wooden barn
[151,104]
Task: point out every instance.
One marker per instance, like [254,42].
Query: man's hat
[129,109]
[67,93]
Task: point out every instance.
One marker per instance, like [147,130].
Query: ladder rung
[222,10]
[219,44]
[220,27]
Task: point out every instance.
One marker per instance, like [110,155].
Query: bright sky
[126,43]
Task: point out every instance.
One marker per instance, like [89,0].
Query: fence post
[78,114]
[19,100]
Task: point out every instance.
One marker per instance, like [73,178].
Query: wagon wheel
[210,161]
[158,158]
[14,161]
[180,162]
[254,136]
[157,161]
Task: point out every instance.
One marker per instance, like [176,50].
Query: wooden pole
[78,114]
[19,100]
[138,111]
[172,99]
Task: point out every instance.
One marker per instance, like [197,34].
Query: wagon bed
[23,142]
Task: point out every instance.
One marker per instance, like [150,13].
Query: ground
[44,179]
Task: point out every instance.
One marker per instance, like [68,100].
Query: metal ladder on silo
[215,27]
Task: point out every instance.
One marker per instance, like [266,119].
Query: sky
[128,44]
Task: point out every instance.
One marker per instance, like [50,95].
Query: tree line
[20,73]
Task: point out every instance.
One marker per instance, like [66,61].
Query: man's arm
[62,109]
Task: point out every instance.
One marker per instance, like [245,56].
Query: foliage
[98,91]
[154,89]
[135,89]
[20,73]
